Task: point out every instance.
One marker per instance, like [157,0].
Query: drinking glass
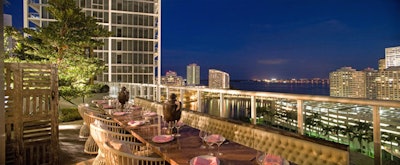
[177,125]
[202,135]
[209,142]
[260,157]
[220,140]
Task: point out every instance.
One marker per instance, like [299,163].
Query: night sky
[272,38]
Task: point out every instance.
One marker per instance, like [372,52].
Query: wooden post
[221,104]
[253,109]
[2,106]
[199,100]
[377,135]
[54,120]
[300,118]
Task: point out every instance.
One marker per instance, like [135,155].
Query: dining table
[179,150]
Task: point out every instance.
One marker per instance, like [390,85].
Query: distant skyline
[280,39]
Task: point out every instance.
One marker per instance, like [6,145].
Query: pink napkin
[119,113]
[106,106]
[162,138]
[135,123]
[213,138]
[149,114]
[99,101]
[135,108]
[205,161]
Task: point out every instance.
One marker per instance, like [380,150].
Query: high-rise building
[388,84]
[193,74]
[382,64]
[370,85]
[132,54]
[171,78]
[347,82]
[218,79]
[392,56]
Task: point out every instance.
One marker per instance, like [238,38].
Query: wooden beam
[2,106]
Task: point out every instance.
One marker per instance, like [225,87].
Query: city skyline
[267,38]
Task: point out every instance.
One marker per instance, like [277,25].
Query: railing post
[377,135]
[199,100]
[141,91]
[181,93]
[222,104]
[134,90]
[158,93]
[300,119]
[167,93]
[253,109]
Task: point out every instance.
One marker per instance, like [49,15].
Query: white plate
[204,157]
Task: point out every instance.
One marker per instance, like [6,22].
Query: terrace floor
[71,146]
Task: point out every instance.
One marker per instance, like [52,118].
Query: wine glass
[177,125]
[209,141]
[219,141]
[202,135]
[260,157]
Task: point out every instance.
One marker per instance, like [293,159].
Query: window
[119,59]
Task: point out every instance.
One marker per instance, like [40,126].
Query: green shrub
[69,114]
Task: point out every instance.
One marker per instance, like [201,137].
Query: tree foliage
[64,42]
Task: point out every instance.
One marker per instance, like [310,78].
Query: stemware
[209,142]
[260,157]
[202,135]
[177,125]
[219,141]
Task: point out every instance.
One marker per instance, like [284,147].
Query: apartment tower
[133,53]
[218,79]
[347,82]
[193,74]
[392,56]
[171,78]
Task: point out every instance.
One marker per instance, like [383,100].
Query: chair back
[114,156]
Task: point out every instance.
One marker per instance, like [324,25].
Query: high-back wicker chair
[102,134]
[84,132]
[115,156]
[100,119]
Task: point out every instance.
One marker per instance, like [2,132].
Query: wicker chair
[84,132]
[101,135]
[115,156]
[91,117]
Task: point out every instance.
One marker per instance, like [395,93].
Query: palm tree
[312,122]
[389,137]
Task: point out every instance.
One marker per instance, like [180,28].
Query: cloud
[272,61]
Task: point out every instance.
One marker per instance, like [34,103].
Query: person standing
[123,97]
[172,109]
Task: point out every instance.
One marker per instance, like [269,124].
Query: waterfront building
[388,85]
[370,85]
[218,79]
[193,74]
[132,53]
[347,82]
[171,78]
[392,56]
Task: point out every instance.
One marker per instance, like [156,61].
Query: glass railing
[371,128]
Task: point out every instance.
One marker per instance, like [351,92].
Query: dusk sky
[272,38]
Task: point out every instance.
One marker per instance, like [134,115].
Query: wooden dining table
[185,147]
